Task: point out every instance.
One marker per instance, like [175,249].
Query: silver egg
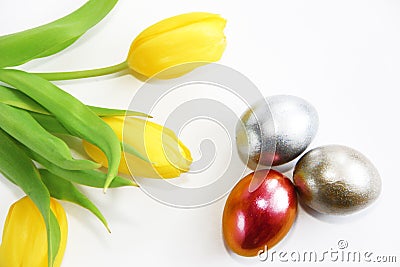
[337,180]
[275,130]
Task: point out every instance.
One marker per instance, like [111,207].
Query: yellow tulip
[168,49]
[24,242]
[168,157]
[188,38]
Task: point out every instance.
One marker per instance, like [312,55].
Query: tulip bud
[188,38]
[24,242]
[168,156]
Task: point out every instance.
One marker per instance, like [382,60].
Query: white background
[342,56]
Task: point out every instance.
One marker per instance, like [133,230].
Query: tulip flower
[167,156]
[24,242]
[187,38]
[168,49]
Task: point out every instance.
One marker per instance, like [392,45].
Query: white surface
[342,56]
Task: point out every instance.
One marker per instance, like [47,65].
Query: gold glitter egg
[336,180]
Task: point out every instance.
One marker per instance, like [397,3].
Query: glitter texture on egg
[276,130]
[337,180]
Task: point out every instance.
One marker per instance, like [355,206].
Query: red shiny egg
[261,218]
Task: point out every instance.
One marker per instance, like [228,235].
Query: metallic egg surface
[276,130]
[253,220]
[337,180]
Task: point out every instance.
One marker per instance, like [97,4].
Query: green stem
[71,75]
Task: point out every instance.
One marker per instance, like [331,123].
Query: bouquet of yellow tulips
[35,114]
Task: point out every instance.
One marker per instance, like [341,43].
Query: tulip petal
[195,38]
[172,23]
[24,236]
[167,155]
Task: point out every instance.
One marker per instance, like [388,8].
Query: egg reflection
[261,217]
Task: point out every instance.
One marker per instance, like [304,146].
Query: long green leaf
[19,169]
[90,178]
[23,127]
[110,112]
[76,117]
[51,124]
[17,99]
[127,148]
[48,39]
[65,190]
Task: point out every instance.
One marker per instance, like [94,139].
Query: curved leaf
[16,166]
[76,117]
[50,123]
[65,190]
[53,126]
[18,99]
[48,39]
[92,178]
[24,128]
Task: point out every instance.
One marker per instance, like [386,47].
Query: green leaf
[18,99]
[65,190]
[54,239]
[76,117]
[133,151]
[19,169]
[48,39]
[52,125]
[24,128]
[90,178]
[107,112]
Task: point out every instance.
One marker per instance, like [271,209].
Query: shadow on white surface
[336,219]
